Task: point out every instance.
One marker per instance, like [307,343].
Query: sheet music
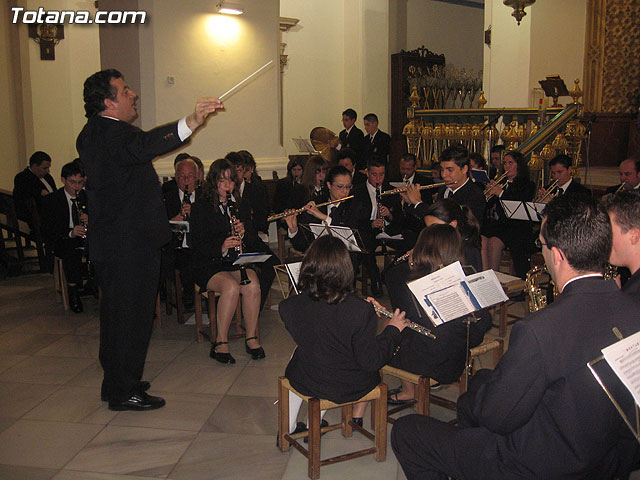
[303,145]
[448,293]
[293,270]
[343,233]
[535,210]
[245,258]
[516,210]
[386,236]
[624,359]
[179,226]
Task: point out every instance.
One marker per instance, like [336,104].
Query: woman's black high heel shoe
[256,353]
[221,357]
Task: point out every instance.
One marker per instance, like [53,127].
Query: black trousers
[66,249]
[129,284]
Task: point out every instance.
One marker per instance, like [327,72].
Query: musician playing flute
[338,353]
[540,413]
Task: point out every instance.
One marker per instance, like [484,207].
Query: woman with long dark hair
[460,217]
[313,179]
[216,236]
[500,232]
[289,192]
[442,358]
[338,354]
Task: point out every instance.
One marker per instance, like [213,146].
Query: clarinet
[379,202]
[244,279]
[412,325]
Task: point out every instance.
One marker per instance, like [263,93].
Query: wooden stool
[495,345]
[421,400]
[60,283]
[178,297]
[511,289]
[315,405]
[235,327]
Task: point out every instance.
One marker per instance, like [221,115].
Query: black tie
[560,192]
[75,214]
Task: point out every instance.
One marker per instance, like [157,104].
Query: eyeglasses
[342,187]
[539,244]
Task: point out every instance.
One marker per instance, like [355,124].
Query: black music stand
[554,87]
[350,237]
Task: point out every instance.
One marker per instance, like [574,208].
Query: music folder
[623,357]
[348,236]
[252,257]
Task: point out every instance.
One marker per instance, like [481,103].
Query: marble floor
[219,422]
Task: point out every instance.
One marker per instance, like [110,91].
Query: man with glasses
[540,413]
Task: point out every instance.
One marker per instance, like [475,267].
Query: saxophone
[537,296]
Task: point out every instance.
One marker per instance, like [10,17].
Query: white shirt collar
[454,191]
[112,118]
[579,277]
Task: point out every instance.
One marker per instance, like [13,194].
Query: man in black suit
[561,167]
[64,225]
[540,413]
[629,176]
[411,177]
[346,158]
[177,254]
[34,182]
[376,142]
[624,212]
[352,137]
[128,227]
[384,214]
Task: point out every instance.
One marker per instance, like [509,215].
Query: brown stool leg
[283,416]
[381,424]
[422,396]
[314,438]
[347,416]
[498,352]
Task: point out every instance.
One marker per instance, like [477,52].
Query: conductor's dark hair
[347,153]
[216,172]
[72,168]
[371,117]
[97,88]
[351,113]
[580,227]
[437,246]
[326,271]
[562,159]
[625,206]
[449,210]
[38,157]
[523,167]
[335,171]
[456,153]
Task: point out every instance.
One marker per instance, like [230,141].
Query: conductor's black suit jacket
[127,211]
[540,413]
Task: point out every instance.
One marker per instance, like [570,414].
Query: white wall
[454,30]
[52,101]
[313,80]
[207,54]
[550,40]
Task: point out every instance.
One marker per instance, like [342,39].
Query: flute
[421,187]
[278,216]
[412,325]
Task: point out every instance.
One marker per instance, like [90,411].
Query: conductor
[128,226]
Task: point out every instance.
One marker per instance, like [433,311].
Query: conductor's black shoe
[221,357]
[138,401]
[75,304]
[256,353]
[143,386]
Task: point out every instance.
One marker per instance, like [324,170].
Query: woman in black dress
[215,249]
[338,354]
[442,358]
[500,232]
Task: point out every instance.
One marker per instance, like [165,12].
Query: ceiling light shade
[518,8]
[229,8]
